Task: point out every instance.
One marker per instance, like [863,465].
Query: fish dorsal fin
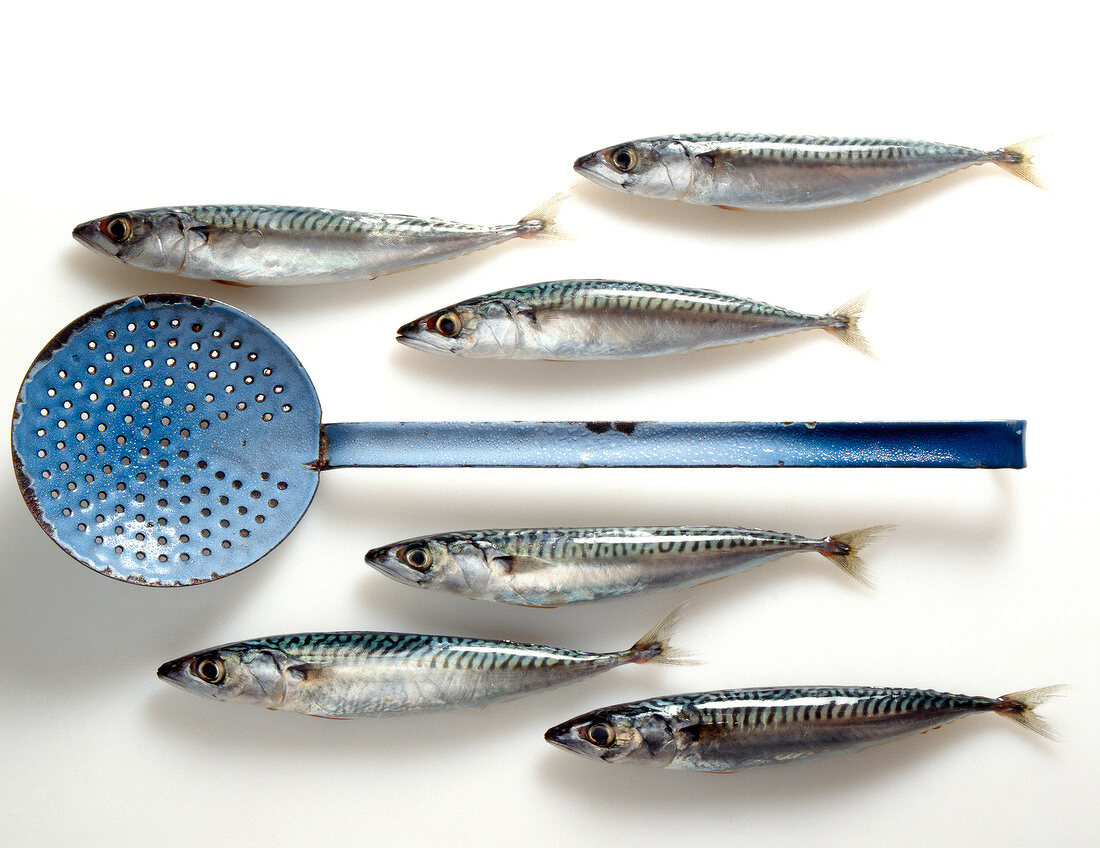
[710,291]
[517,564]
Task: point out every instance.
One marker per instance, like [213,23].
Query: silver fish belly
[346,675]
[742,728]
[552,566]
[282,245]
[611,319]
[753,171]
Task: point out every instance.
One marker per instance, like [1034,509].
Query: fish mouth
[412,335]
[561,736]
[88,235]
[417,344]
[379,559]
[585,163]
[172,671]
[594,167]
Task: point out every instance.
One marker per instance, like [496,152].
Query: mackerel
[754,171]
[741,728]
[551,566]
[345,675]
[612,319]
[292,245]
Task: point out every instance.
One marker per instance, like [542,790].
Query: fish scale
[303,219]
[831,148]
[566,541]
[859,701]
[580,294]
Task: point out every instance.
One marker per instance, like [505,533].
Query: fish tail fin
[654,645]
[541,222]
[1020,706]
[844,550]
[1019,159]
[848,329]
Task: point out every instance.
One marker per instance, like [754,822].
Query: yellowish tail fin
[654,646]
[541,221]
[845,548]
[1020,706]
[848,330]
[1019,159]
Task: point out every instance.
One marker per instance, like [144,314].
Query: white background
[983,305]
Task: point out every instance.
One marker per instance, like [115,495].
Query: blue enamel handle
[594,444]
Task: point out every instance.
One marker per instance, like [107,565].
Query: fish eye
[624,158]
[209,669]
[418,558]
[118,229]
[601,735]
[447,323]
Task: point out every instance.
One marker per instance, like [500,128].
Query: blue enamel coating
[169,440]
[581,444]
[191,466]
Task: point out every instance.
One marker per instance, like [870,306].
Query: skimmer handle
[583,444]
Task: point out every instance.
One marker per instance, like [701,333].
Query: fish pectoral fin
[526,312]
[232,283]
[330,718]
[729,208]
[689,733]
[305,672]
[516,564]
[716,157]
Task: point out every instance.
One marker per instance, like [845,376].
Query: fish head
[655,167]
[484,327]
[154,239]
[240,672]
[453,564]
[629,733]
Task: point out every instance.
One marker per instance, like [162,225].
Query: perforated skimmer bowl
[170,440]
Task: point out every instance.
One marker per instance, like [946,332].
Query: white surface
[983,305]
